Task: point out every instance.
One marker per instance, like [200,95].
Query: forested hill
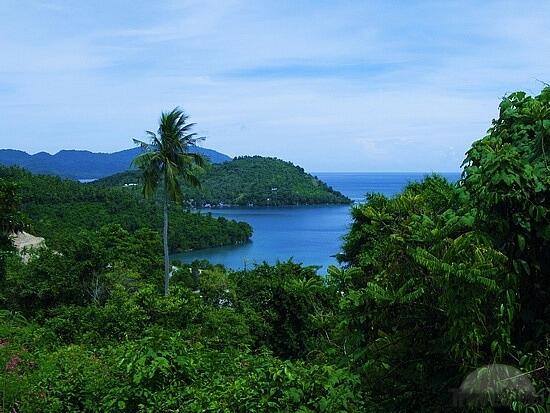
[250,180]
[59,209]
[84,164]
[442,304]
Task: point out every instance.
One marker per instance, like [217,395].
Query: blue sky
[333,86]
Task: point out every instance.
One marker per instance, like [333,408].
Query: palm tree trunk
[165,239]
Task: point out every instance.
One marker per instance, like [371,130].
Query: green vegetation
[165,162]
[59,209]
[250,180]
[437,281]
[10,220]
[446,278]
[100,336]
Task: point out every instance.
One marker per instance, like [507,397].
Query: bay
[311,235]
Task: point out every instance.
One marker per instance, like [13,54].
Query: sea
[310,235]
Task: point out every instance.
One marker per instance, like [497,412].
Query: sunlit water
[311,235]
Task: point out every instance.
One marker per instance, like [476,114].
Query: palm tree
[166,162]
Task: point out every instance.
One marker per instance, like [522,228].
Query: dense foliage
[59,208]
[449,278]
[250,180]
[436,282]
[101,337]
[11,220]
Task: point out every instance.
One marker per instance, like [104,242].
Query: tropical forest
[249,181]
[432,284]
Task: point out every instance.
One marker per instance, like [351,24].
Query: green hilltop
[248,180]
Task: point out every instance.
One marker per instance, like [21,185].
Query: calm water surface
[311,235]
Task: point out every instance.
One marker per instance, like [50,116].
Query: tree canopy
[11,220]
[436,283]
[58,209]
[249,180]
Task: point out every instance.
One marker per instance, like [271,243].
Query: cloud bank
[341,86]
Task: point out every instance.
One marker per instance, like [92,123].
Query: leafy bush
[448,278]
[280,302]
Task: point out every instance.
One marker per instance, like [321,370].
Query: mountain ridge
[84,164]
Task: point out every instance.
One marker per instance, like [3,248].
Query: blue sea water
[311,235]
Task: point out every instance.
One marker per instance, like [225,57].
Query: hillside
[250,180]
[84,164]
[442,303]
[58,209]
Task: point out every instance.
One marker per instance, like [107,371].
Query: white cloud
[354,86]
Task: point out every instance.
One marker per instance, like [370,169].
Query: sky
[330,85]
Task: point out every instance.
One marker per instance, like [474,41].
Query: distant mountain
[85,164]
